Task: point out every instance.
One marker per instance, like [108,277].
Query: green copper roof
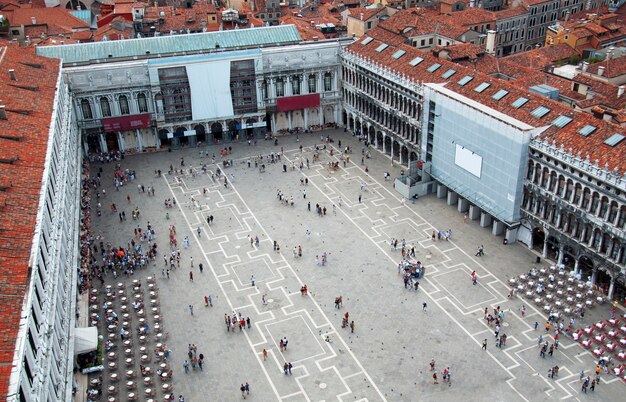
[172,44]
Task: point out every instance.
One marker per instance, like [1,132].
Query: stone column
[103,143]
[120,141]
[274,129]
[442,191]
[463,205]
[453,198]
[560,259]
[384,142]
[544,253]
[594,275]
[576,266]
[139,140]
[474,212]
[611,288]
[498,228]
[306,118]
[485,219]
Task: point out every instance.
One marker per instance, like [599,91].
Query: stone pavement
[387,357]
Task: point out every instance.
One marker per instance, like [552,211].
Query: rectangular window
[463,81]
[433,68]
[587,130]
[562,121]
[500,94]
[482,87]
[328,84]
[398,54]
[519,102]
[540,112]
[366,40]
[614,139]
[382,47]
[416,61]
[448,74]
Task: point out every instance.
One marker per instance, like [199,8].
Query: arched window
[295,84]
[85,107]
[123,101]
[312,84]
[280,87]
[105,107]
[328,83]
[142,103]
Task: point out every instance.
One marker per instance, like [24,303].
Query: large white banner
[210,90]
[468,160]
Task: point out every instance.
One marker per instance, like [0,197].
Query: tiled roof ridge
[615,157]
[20,203]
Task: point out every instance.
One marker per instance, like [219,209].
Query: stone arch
[200,132]
[217,132]
[538,238]
[387,147]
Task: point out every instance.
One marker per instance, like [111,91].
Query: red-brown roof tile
[28,117]
[612,68]
[614,157]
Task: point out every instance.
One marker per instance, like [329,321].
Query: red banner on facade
[288,103]
[125,123]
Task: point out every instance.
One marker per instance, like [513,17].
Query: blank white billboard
[468,160]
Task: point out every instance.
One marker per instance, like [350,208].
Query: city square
[395,334]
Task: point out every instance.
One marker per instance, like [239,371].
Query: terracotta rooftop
[534,2]
[366,13]
[593,145]
[59,20]
[421,21]
[24,139]
[612,68]
[543,56]
[460,51]
[511,12]
[118,29]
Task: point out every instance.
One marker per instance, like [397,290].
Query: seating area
[605,339]
[556,292]
[136,366]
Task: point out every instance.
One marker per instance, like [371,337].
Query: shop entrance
[112,143]
[217,133]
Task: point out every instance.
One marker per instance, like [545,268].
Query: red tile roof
[59,20]
[458,52]
[567,136]
[543,56]
[612,68]
[511,12]
[28,123]
[364,13]
[118,29]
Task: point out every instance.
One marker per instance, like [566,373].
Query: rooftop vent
[3,113]
[601,71]
[12,75]
[33,20]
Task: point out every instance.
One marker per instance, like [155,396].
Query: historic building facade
[133,105]
[576,213]
[382,105]
[484,151]
[43,359]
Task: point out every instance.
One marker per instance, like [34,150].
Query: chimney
[491,42]
[33,20]
[601,71]
[585,66]
[3,113]
[12,75]
[620,90]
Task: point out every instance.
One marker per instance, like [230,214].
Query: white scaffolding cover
[210,90]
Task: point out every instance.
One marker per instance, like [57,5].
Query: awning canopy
[288,103]
[125,123]
[85,340]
